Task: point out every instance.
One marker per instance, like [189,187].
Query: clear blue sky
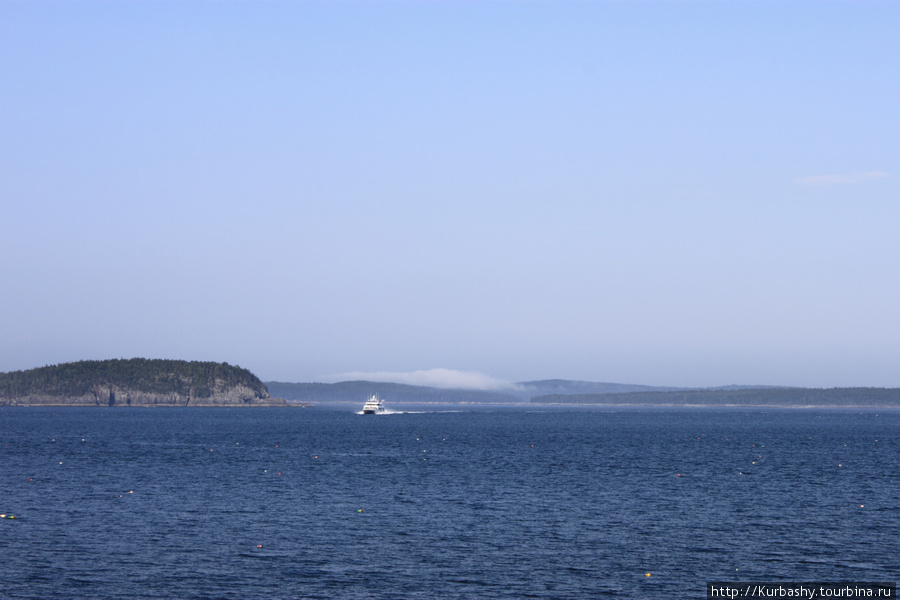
[683,193]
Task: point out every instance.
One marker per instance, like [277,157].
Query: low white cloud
[439,378]
[819,180]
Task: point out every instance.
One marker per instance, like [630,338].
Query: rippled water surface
[507,503]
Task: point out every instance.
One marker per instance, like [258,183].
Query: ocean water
[275,503]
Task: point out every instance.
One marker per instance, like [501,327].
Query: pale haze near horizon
[671,193]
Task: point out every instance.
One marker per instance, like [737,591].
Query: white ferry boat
[373,406]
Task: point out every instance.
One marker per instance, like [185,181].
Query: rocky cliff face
[111,395]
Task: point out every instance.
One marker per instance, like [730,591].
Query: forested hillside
[136,381]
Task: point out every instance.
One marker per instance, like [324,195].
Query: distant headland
[135,382]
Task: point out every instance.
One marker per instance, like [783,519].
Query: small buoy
[60,462]
[677,474]
[210,449]
[130,491]
[259,545]
[862,505]
[359,511]
[315,457]
[646,574]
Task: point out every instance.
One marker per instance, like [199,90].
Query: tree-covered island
[135,382]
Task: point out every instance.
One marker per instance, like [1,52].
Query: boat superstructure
[373,406]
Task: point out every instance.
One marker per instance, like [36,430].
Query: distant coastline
[565,392]
[160,382]
[785,397]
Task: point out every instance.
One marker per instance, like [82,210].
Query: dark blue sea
[281,503]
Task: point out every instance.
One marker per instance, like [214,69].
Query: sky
[666,193]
